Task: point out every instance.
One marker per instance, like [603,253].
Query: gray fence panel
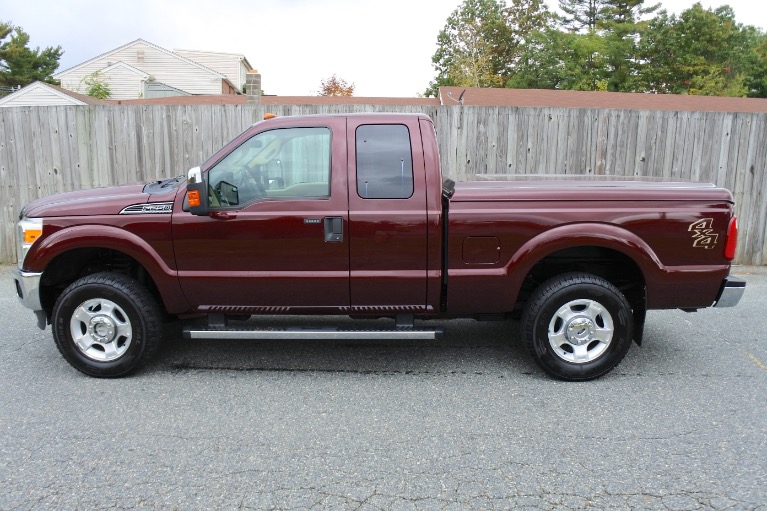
[46,150]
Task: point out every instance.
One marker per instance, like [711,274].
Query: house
[232,65]
[141,69]
[45,94]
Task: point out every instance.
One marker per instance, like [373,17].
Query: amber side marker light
[194,198]
[269,115]
[732,239]
[30,235]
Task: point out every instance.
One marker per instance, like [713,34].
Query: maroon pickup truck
[349,215]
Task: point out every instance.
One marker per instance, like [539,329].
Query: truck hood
[102,201]
[572,190]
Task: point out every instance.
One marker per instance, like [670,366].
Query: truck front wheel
[106,325]
[577,326]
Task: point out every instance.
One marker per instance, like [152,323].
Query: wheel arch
[607,251]
[75,252]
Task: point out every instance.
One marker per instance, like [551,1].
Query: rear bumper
[731,292]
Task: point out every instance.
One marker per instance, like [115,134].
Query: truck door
[387,216]
[276,237]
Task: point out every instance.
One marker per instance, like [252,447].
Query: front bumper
[731,292]
[28,291]
[28,288]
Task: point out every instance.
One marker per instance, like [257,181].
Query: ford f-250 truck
[349,215]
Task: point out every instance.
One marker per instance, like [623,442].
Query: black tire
[577,326]
[116,320]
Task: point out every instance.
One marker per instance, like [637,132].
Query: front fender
[120,240]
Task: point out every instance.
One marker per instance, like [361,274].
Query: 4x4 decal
[703,233]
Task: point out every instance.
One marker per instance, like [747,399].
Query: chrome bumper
[731,292]
[28,291]
[28,288]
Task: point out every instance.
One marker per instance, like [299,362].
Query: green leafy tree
[621,25]
[97,86]
[703,52]
[20,65]
[471,46]
[600,52]
[483,42]
[580,15]
[756,62]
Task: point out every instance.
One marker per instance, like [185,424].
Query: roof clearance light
[269,115]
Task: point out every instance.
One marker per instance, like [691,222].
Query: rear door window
[384,162]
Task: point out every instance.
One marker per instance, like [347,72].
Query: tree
[20,65]
[468,46]
[621,26]
[756,61]
[703,52]
[483,41]
[335,86]
[98,86]
[580,15]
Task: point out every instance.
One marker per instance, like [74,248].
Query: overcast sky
[383,47]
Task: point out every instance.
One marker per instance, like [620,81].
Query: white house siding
[230,65]
[124,83]
[165,67]
[38,95]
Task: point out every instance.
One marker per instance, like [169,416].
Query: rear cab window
[384,161]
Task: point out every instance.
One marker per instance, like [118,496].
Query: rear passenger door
[387,215]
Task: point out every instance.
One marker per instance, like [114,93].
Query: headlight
[27,232]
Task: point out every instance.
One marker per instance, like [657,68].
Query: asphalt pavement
[465,423]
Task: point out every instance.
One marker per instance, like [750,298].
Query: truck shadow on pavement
[468,347]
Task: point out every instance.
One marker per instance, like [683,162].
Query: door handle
[334,229]
[222,215]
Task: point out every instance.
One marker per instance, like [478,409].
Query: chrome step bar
[311,333]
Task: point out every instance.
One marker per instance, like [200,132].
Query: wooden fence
[46,150]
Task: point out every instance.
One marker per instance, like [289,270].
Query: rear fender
[585,235]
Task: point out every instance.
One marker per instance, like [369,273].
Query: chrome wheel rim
[580,331]
[101,330]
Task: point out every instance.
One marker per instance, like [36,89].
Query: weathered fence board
[45,150]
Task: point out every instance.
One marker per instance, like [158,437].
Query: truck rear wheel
[106,325]
[577,326]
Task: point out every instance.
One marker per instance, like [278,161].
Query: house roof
[123,65]
[472,96]
[133,43]
[56,94]
[239,56]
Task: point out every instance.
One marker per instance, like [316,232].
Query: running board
[414,334]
